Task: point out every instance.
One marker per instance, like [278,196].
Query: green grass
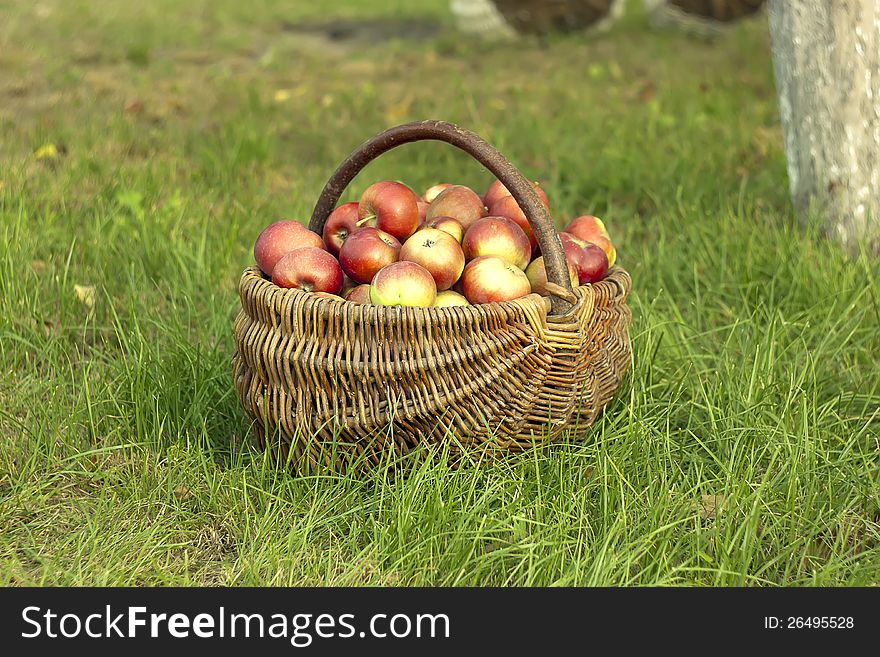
[742,449]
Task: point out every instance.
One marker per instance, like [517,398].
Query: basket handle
[520,188]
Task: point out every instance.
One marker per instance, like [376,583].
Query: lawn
[144,145]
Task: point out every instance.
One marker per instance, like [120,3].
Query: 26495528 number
[819,622]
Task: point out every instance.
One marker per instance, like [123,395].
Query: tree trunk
[826,57]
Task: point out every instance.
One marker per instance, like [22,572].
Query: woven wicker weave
[329,381]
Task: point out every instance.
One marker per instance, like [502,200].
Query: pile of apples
[448,247]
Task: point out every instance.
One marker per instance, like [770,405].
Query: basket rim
[253,283]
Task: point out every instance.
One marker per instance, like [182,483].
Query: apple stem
[369,217]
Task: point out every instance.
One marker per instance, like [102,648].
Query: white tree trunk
[826,57]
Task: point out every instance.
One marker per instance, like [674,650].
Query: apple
[347,285]
[327,295]
[595,264]
[434,191]
[423,211]
[497,236]
[341,223]
[393,207]
[507,206]
[403,283]
[308,268]
[366,251]
[458,202]
[591,229]
[489,278]
[536,272]
[447,225]
[436,251]
[497,191]
[280,238]
[359,294]
[590,265]
[449,298]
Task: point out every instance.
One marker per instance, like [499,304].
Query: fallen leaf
[183,493]
[134,106]
[647,91]
[86,294]
[711,506]
[282,95]
[47,152]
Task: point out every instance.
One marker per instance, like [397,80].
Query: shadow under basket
[332,383]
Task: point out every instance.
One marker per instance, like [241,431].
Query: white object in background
[481,17]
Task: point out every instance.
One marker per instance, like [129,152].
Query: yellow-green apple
[390,206]
[279,239]
[449,298]
[497,191]
[436,251]
[489,278]
[366,251]
[359,294]
[537,275]
[308,268]
[507,206]
[591,229]
[458,202]
[497,236]
[403,283]
[447,225]
[341,223]
[434,191]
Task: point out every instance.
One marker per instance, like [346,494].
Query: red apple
[308,268]
[434,191]
[591,229]
[588,259]
[489,278]
[595,264]
[423,211]
[436,251]
[458,202]
[327,295]
[447,225]
[449,298]
[359,294]
[507,206]
[497,191]
[393,206]
[537,275]
[403,283]
[341,223]
[497,236]
[366,251]
[347,285]
[279,239]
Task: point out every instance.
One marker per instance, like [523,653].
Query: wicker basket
[328,382]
